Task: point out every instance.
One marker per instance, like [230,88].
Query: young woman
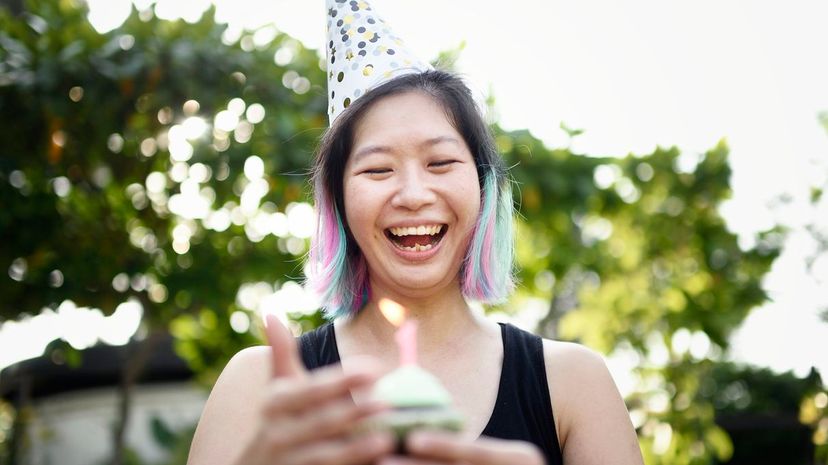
[415,206]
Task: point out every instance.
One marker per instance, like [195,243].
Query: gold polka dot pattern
[362,53]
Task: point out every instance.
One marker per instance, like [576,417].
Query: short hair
[337,270]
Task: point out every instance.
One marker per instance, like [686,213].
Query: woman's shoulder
[227,413]
[575,372]
[248,364]
[563,357]
[259,353]
[242,379]
[583,393]
[246,372]
[572,358]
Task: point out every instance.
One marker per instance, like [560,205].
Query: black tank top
[523,409]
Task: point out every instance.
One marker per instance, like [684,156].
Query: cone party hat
[362,53]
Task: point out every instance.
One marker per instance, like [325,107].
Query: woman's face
[411,195]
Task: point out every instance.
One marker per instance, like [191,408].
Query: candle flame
[392,311]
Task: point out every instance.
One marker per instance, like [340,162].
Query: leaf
[163,435]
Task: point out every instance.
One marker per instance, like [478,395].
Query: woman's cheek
[359,210]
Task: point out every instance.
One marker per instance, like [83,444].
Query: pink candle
[406,334]
[406,338]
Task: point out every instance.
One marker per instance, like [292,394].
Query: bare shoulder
[246,372]
[233,402]
[250,364]
[576,369]
[571,356]
[591,419]
[575,375]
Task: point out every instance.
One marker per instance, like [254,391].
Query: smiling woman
[437,151]
[414,206]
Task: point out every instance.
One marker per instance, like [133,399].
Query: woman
[413,153]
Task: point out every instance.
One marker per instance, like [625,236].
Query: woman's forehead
[412,118]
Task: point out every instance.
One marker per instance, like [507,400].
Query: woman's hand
[433,448]
[302,417]
[309,418]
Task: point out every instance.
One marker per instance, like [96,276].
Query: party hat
[362,53]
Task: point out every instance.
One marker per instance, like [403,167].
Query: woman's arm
[592,421]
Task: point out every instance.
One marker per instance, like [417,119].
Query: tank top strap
[523,410]
[318,347]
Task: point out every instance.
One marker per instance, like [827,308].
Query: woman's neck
[441,317]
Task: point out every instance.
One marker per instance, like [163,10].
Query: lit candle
[406,334]
[407,342]
[418,398]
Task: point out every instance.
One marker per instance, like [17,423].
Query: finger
[483,451]
[337,419]
[324,385]
[401,460]
[522,451]
[336,422]
[355,451]
[285,358]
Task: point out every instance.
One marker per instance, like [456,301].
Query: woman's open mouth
[416,238]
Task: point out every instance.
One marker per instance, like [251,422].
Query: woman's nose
[414,192]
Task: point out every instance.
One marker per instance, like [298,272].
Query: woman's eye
[376,171]
[442,163]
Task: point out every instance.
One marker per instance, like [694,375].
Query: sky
[636,75]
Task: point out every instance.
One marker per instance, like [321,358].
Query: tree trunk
[22,418]
[564,299]
[137,359]
[548,325]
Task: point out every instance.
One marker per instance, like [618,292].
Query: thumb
[284,353]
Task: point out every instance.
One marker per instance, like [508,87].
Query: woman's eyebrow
[372,149]
[440,140]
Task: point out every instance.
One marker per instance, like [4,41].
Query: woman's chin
[424,285]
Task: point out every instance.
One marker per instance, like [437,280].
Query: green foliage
[633,254]
[650,246]
[89,184]
[175,444]
[447,59]
[7,415]
[772,418]
[814,413]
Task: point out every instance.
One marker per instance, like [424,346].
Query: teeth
[417,231]
[417,248]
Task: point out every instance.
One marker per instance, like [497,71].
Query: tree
[156,162]
[633,254]
[761,412]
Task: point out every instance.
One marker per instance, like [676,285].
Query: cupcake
[418,401]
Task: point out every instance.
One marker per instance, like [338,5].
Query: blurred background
[670,160]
